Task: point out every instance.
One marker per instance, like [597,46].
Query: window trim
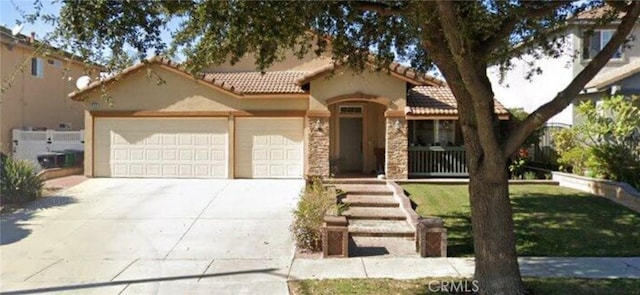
[39,67]
[600,32]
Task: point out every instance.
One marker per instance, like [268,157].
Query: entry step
[370,201]
[380,228]
[382,213]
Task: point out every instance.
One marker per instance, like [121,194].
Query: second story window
[37,67]
[593,43]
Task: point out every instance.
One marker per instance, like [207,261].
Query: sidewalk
[412,268]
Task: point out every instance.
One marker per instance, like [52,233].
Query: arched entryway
[357,137]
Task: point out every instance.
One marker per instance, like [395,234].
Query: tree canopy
[460,38]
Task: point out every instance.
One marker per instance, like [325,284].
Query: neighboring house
[624,80]
[306,117]
[557,73]
[37,80]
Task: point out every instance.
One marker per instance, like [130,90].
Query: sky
[12,12]
[10,15]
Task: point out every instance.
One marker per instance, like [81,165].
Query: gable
[140,90]
[347,81]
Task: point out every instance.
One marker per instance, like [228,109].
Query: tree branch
[381,8]
[510,23]
[564,98]
[470,73]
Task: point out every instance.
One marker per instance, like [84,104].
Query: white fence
[29,144]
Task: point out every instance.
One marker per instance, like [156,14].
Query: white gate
[28,145]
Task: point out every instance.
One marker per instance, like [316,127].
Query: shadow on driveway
[138,281]
[12,225]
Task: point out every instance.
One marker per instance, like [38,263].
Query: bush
[315,202]
[530,175]
[19,181]
[606,143]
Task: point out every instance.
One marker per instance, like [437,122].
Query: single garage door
[161,147]
[269,147]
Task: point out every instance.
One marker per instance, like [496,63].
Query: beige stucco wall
[347,81]
[289,63]
[180,93]
[33,101]
[630,53]
[138,91]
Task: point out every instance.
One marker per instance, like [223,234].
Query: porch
[436,149]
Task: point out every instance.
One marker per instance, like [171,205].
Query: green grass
[549,220]
[534,286]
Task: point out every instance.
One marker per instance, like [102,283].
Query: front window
[433,132]
[593,42]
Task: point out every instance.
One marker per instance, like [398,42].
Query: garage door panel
[161,147]
[269,147]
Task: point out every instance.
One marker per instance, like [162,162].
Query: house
[300,118]
[624,80]
[37,79]
[581,43]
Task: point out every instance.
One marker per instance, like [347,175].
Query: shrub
[517,165]
[530,175]
[606,142]
[315,202]
[19,181]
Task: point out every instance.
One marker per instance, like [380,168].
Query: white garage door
[161,147]
[269,147]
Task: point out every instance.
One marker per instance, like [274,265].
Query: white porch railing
[29,144]
[437,161]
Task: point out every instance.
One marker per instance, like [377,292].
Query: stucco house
[624,80]
[300,118]
[36,80]
[581,42]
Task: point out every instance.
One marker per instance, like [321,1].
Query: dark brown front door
[350,144]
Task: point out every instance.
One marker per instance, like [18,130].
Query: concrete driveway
[167,236]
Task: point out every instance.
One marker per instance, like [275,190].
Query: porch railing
[437,161]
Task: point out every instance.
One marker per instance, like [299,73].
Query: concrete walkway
[64,182]
[152,236]
[413,268]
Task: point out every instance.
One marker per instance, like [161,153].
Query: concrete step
[382,246]
[380,228]
[355,181]
[370,201]
[378,213]
[365,189]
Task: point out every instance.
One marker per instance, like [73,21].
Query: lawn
[549,220]
[423,286]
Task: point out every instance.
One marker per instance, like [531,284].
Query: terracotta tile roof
[238,84]
[256,83]
[596,13]
[259,83]
[609,77]
[395,68]
[437,101]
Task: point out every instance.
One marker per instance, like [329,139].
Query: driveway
[168,236]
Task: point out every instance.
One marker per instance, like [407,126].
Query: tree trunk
[493,231]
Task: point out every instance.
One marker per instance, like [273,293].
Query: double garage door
[198,147]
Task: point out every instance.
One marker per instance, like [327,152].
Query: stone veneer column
[396,158]
[318,145]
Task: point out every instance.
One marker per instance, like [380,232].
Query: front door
[350,144]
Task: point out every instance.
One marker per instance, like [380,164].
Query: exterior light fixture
[397,126]
[317,125]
